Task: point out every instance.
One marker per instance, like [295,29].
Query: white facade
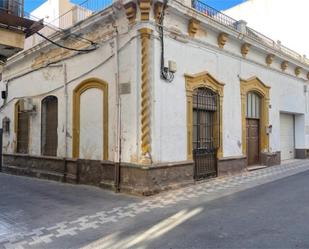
[47,70]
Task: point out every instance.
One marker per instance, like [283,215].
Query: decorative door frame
[194,81]
[254,84]
[82,87]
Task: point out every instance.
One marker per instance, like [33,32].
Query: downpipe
[118,116]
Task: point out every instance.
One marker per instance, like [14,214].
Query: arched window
[22,120]
[253,105]
[49,125]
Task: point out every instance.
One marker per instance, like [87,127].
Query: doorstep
[256,167]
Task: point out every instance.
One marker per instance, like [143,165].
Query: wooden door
[253,148]
[49,126]
[23,132]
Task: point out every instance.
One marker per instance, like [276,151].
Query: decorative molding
[222,39]
[82,87]
[145,96]
[254,84]
[284,65]
[297,71]
[193,27]
[158,7]
[269,59]
[145,6]
[203,79]
[245,49]
[131,12]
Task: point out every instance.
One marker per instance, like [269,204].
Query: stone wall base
[231,165]
[270,158]
[136,179]
[301,153]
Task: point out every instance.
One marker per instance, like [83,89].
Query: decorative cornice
[222,39]
[284,65]
[193,27]
[131,12]
[158,7]
[145,97]
[269,59]
[145,6]
[297,71]
[245,49]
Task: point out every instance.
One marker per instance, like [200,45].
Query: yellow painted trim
[203,79]
[193,27]
[145,6]
[82,87]
[254,84]
[145,96]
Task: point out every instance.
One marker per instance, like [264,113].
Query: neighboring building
[113,114]
[274,18]
[14,28]
[57,15]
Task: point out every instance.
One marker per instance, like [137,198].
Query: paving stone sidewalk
[44,237]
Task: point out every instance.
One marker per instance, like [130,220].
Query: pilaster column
[145,96]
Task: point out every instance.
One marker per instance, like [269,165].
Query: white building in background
[280,20]
[112,113]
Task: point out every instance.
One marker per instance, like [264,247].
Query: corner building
[110,113]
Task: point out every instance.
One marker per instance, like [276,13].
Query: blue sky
[218,4]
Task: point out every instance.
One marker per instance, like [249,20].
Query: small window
[253,105]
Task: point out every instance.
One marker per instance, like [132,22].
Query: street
[267,208]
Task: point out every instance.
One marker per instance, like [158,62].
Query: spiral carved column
[145,96]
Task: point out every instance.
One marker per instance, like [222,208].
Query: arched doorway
[255,118]
[22,125]
[90,120]
[253,115]
[204,123]
[205,128]
[49,126]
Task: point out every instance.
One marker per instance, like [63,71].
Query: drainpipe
[65,87]
[118,118]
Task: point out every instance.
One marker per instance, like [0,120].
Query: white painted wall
[280,20]
[100,64]
[91,124]
[49,11]
[168,107]
[226,65]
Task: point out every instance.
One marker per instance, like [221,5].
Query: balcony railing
[214,14]
[253,34]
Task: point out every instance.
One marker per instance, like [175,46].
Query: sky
[217,4]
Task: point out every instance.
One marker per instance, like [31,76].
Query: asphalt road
[43,214]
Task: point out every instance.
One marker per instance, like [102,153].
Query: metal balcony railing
[214,14]
[253,34]
[12,7]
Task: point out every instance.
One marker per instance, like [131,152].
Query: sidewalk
[100,220]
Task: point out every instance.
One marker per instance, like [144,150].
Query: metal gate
[205,132]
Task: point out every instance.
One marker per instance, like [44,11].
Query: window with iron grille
[49,126]
[204,118]
[205,132]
